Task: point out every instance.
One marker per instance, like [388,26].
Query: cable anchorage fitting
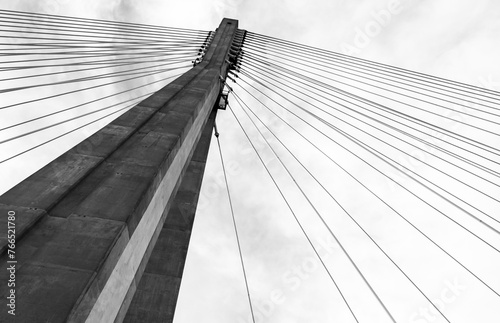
[215,129]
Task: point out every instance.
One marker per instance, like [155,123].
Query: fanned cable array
[62,74]
[400,169]
[420,153]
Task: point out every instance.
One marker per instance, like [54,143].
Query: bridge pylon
[102,231]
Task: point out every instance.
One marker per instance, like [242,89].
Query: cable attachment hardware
[215,129]
[236,50]
[224,94]
[223,99]
[203,49]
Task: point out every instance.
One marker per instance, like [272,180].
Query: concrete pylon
[87,223]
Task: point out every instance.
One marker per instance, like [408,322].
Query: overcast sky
[451,39]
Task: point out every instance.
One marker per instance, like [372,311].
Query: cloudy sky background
[451,39]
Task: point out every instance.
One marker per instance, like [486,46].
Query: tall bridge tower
[364,163]
[102,231]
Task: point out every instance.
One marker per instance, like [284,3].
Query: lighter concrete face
[156,295]
[112,296]
[90,217]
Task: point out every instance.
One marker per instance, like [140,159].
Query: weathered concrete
[157,291]
[88,221]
